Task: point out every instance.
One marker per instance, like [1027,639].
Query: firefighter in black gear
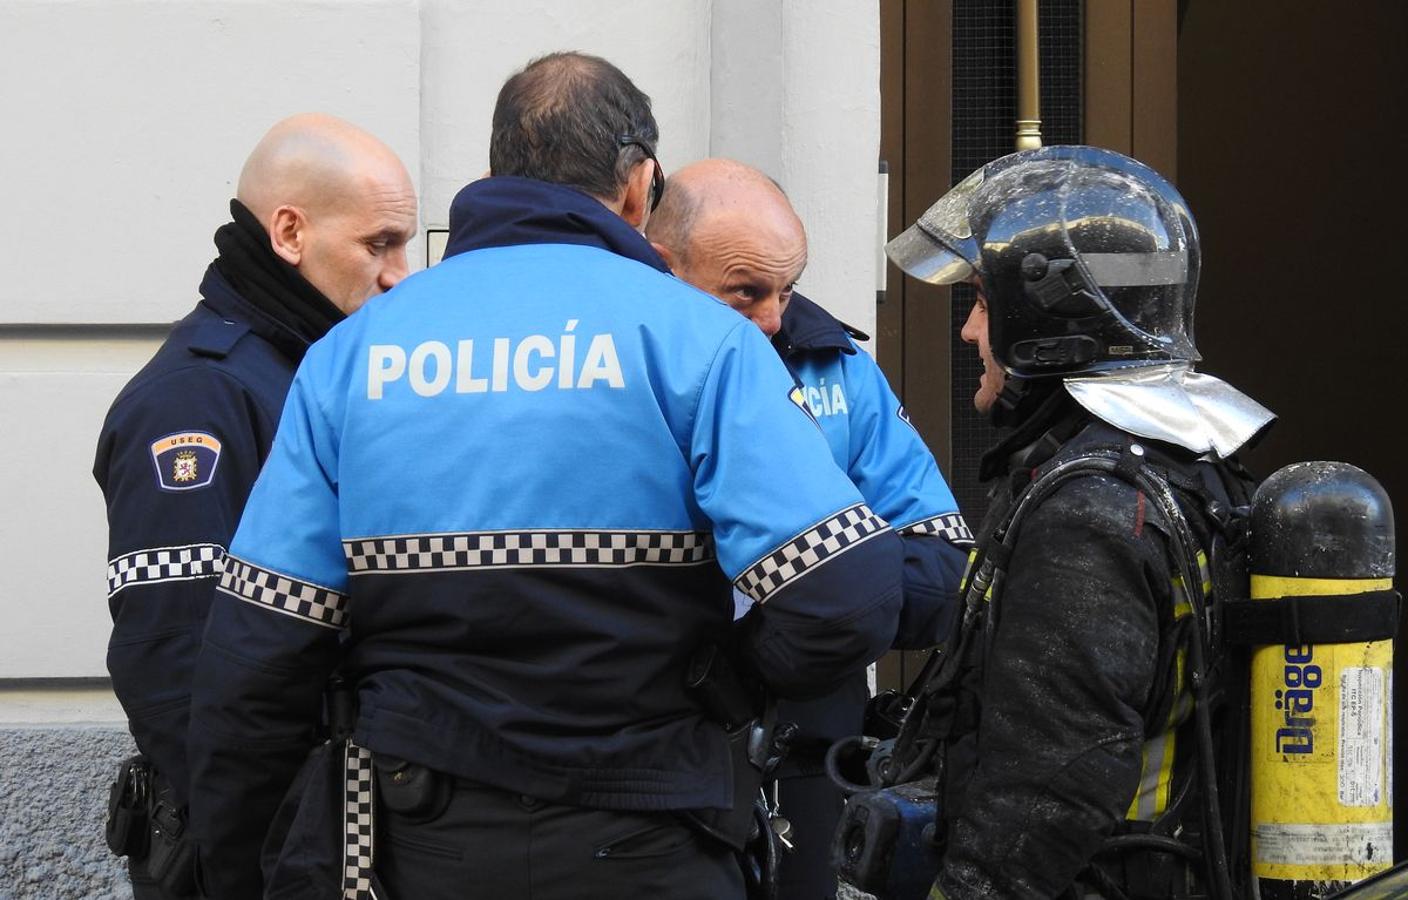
[320,224]
[1072,732]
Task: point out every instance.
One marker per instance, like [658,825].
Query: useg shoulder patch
[185,460]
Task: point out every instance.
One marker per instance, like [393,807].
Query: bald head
[311,160]
[337,204]
[728,229]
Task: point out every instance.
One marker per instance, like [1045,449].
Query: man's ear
[635,203]
[288,234]
[667,255]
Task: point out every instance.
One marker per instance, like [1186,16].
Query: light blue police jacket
[508,499]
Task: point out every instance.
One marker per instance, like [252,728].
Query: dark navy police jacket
[177,456]
[873,442]
[509,498]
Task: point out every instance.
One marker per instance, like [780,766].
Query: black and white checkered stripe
[309,602]
[949,526]
[157,564]
[500,549]
[808,550]
[359,804]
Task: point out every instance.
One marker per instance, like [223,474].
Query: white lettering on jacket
[826,401]
[532,364]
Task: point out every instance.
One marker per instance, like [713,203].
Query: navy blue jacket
[177,456]
[509,498]
[874,443]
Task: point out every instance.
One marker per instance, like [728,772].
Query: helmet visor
[922,257]
[939,248]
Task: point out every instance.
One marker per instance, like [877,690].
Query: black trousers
[492,844]
[144,888]
[813,805]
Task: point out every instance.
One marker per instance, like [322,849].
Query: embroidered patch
[186,460]
[799,398]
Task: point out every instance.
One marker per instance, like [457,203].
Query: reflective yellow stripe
[967,570]
[1158,753]
[1133,811]
[1146,799]
[1181,606]
[1272,586]
[1156,767]
[1165,788]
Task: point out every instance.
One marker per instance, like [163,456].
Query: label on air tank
[1361,746]
[1324,845]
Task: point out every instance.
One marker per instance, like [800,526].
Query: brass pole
[1028,77]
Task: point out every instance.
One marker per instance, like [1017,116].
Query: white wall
[796,92]
[662,46]
[125,123]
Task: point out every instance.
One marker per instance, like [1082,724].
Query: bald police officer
[319,224]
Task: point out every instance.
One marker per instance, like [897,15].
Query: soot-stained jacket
[178,453]
[873,442]
[1075,719]
[509,498]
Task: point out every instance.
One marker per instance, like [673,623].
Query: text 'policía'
[532,363]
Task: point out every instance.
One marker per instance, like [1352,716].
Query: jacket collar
[806,327]
[221,297]
[507,211]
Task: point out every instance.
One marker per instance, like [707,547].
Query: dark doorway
[1288,154]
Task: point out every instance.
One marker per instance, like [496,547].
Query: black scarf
[269,284]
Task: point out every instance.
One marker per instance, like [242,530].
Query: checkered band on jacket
[158,564]
[950,526]
[825,540]
[499,549]
[283,594]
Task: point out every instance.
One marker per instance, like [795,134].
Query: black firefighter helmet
[1088,260]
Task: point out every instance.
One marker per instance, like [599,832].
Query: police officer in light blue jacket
[509,500]
[728,229]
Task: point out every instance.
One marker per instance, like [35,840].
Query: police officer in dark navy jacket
[728,229]
[320,223]
[510,500]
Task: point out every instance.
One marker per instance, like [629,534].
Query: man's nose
[769,317]
[969,332]
[395,269]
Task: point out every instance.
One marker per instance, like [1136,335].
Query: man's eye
[747,293]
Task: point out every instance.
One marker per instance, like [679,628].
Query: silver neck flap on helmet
[1174,404]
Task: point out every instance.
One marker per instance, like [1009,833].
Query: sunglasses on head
[657,178]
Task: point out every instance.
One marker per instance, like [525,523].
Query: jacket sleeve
[175,461]
[901,482]
[271,643]
[792,532]
[1069,667]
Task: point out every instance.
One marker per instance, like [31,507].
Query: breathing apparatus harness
[922,718]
